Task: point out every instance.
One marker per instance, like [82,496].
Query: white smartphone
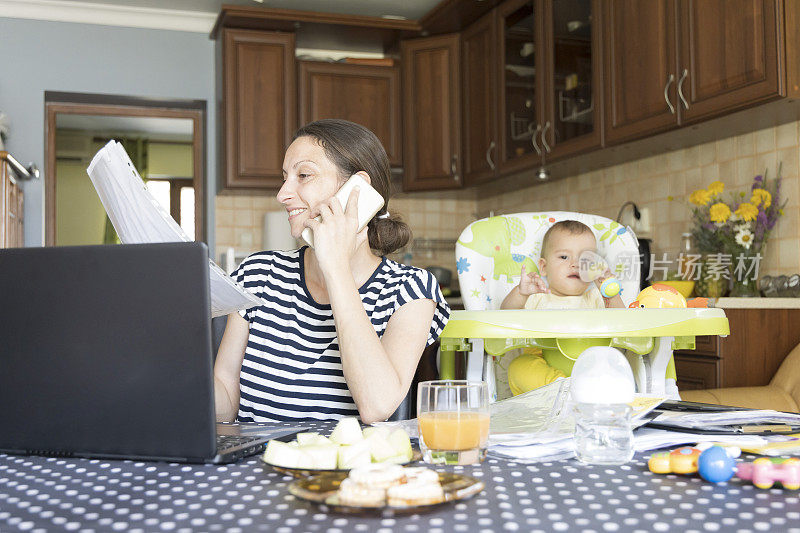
[369,202]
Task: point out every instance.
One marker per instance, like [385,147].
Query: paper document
[139,218]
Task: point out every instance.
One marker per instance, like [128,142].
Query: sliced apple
[347,431]
[312,439]
[401,443]
[354,455]
[379,446]
[282,454]
[369,430]
[323,456]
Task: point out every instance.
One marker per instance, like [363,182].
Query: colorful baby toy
[659,296]
[680,461]
[713,463]
[764,472]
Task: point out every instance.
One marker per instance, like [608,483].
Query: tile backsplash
[663,183]
[660,183]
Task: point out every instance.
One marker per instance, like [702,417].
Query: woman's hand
[335,235]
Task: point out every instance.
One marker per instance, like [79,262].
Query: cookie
[409,494]
[352,493]
[420,474]
[378,475]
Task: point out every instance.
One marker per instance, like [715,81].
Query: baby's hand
[531,283]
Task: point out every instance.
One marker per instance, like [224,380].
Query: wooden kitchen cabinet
[432,115]
[259,106]
[479,99]
[730,52]
[573,67]
[11,204]
[542,102]
[640,68]
[366,94]
[673,62]
[758,342]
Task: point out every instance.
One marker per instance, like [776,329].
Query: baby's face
[560,262]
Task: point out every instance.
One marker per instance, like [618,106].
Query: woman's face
[309,178]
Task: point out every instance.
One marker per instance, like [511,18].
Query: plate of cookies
[385,489]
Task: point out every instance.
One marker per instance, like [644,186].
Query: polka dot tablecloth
[56,494]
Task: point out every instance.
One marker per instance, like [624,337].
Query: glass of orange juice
[453,419]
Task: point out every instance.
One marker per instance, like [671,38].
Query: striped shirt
[292,369]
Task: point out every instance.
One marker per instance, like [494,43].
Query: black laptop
[105,351]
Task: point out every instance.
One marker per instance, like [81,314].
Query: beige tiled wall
[661,183]
[439,216]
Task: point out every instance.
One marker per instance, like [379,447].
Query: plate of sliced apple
[347,447]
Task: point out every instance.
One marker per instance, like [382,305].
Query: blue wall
[41,56]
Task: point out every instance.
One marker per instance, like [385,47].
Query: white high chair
[489,256]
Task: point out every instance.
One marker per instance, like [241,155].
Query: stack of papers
[729,421]
[139,218]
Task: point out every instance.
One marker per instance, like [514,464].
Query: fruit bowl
[682,286]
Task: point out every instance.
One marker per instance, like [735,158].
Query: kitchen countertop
[757,303]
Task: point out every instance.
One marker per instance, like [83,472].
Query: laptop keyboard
[233,447]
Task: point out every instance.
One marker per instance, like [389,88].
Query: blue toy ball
[715,465]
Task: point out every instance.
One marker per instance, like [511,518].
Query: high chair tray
[586,323]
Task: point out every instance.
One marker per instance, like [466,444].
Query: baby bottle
[602,386]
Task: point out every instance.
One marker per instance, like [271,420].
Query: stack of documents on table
[139,218]
[746,421]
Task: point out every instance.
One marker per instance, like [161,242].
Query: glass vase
[713,280]
[745,268]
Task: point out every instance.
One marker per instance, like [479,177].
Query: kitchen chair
[490,254]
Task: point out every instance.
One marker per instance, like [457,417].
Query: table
[59,494]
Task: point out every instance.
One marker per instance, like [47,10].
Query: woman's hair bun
[388,234]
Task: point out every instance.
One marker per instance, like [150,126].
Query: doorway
[165,140]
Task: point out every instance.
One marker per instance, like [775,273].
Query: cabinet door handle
[666,96]
[489,155]
[544,141]
[533,139]
[680,88]
[454,166]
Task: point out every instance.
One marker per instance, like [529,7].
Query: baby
[562,245]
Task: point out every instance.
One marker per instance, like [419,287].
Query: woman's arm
[378,371]
[228,366]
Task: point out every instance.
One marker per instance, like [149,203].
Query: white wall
[41,56]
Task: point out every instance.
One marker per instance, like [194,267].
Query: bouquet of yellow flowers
[739,226]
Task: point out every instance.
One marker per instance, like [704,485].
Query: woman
[346,327]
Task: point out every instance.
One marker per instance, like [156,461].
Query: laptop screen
[106,351]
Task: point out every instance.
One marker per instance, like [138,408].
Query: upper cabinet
[259,106]
[495,88]
[479,99]
[573,65]
[730,52]
[531,74]
[431,120]
[672,62]
[520,83]
[366,94]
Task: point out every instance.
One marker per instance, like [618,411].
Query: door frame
[110,105]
